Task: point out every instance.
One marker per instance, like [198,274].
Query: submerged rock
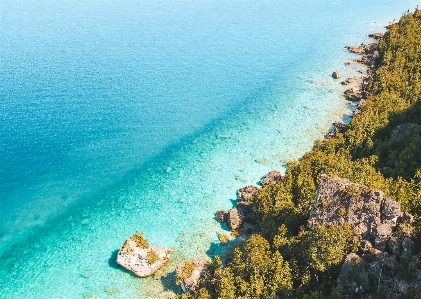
[137,256]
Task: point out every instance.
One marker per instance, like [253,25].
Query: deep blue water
[125,115]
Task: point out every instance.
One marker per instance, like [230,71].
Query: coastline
[365,218]
[190,241]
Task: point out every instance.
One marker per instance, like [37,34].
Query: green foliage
[152,257]
[288,261]
[186,272]
[140,240]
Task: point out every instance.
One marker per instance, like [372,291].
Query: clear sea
[119,116]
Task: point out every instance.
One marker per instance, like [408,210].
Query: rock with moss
[271,178]
[139,257]
[372,216]
[190,273]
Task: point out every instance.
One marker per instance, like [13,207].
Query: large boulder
[372,216]
[137,256]
[190,273]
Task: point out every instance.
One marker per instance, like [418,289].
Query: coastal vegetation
[379,149]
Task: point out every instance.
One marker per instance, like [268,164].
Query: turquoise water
[125,115]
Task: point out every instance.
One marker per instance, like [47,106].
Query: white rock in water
[140,261]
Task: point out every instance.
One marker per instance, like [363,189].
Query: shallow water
[119,116]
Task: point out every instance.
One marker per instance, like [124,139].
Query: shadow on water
[112,261]
[168,281]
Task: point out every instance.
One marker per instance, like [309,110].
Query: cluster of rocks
[337,127]
[243,215]
[357,91]
[142,261]
[386,253]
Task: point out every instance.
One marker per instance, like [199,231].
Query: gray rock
[272,178]
[408,246]
[353,277]
[400,285]
[190,278]
[247,193]
[235,219]
[336,75]
[356,50]
[222,216]
[138,260]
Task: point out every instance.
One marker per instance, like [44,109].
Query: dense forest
[289,260]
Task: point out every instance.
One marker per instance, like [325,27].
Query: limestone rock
[336,75]
[141,261]
[235,219]
[356,50]
[272,178]
[222,216]
[189,274]
[247,193]
[353,277]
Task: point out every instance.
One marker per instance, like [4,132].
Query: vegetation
[152,257]
[223,238]
[378,149]
[140,240]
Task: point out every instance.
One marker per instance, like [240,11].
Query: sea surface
[117,116]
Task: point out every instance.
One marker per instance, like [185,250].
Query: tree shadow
[169,283]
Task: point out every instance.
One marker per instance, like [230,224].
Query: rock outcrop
[244,213]
[386,252]
[141,258]
[271,178]
[190,273]
[336,75]
[369,213]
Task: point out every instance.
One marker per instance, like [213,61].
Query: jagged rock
[189,274]
[376,35]
[336,75]
[141,261]
[400,285]
[353,97]
[247,193]
[347,81]
[353,278]
[222,216]
[356,50]
[408,246]
[272,178]
[235,219]
[395,246]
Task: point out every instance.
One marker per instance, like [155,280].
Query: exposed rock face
[372,216]
[337,127]
[272,178]
[243,212]
[385,256]
[189,274]
[376,35]
[142,262]
[336,75]
[247,193]
[356,50]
